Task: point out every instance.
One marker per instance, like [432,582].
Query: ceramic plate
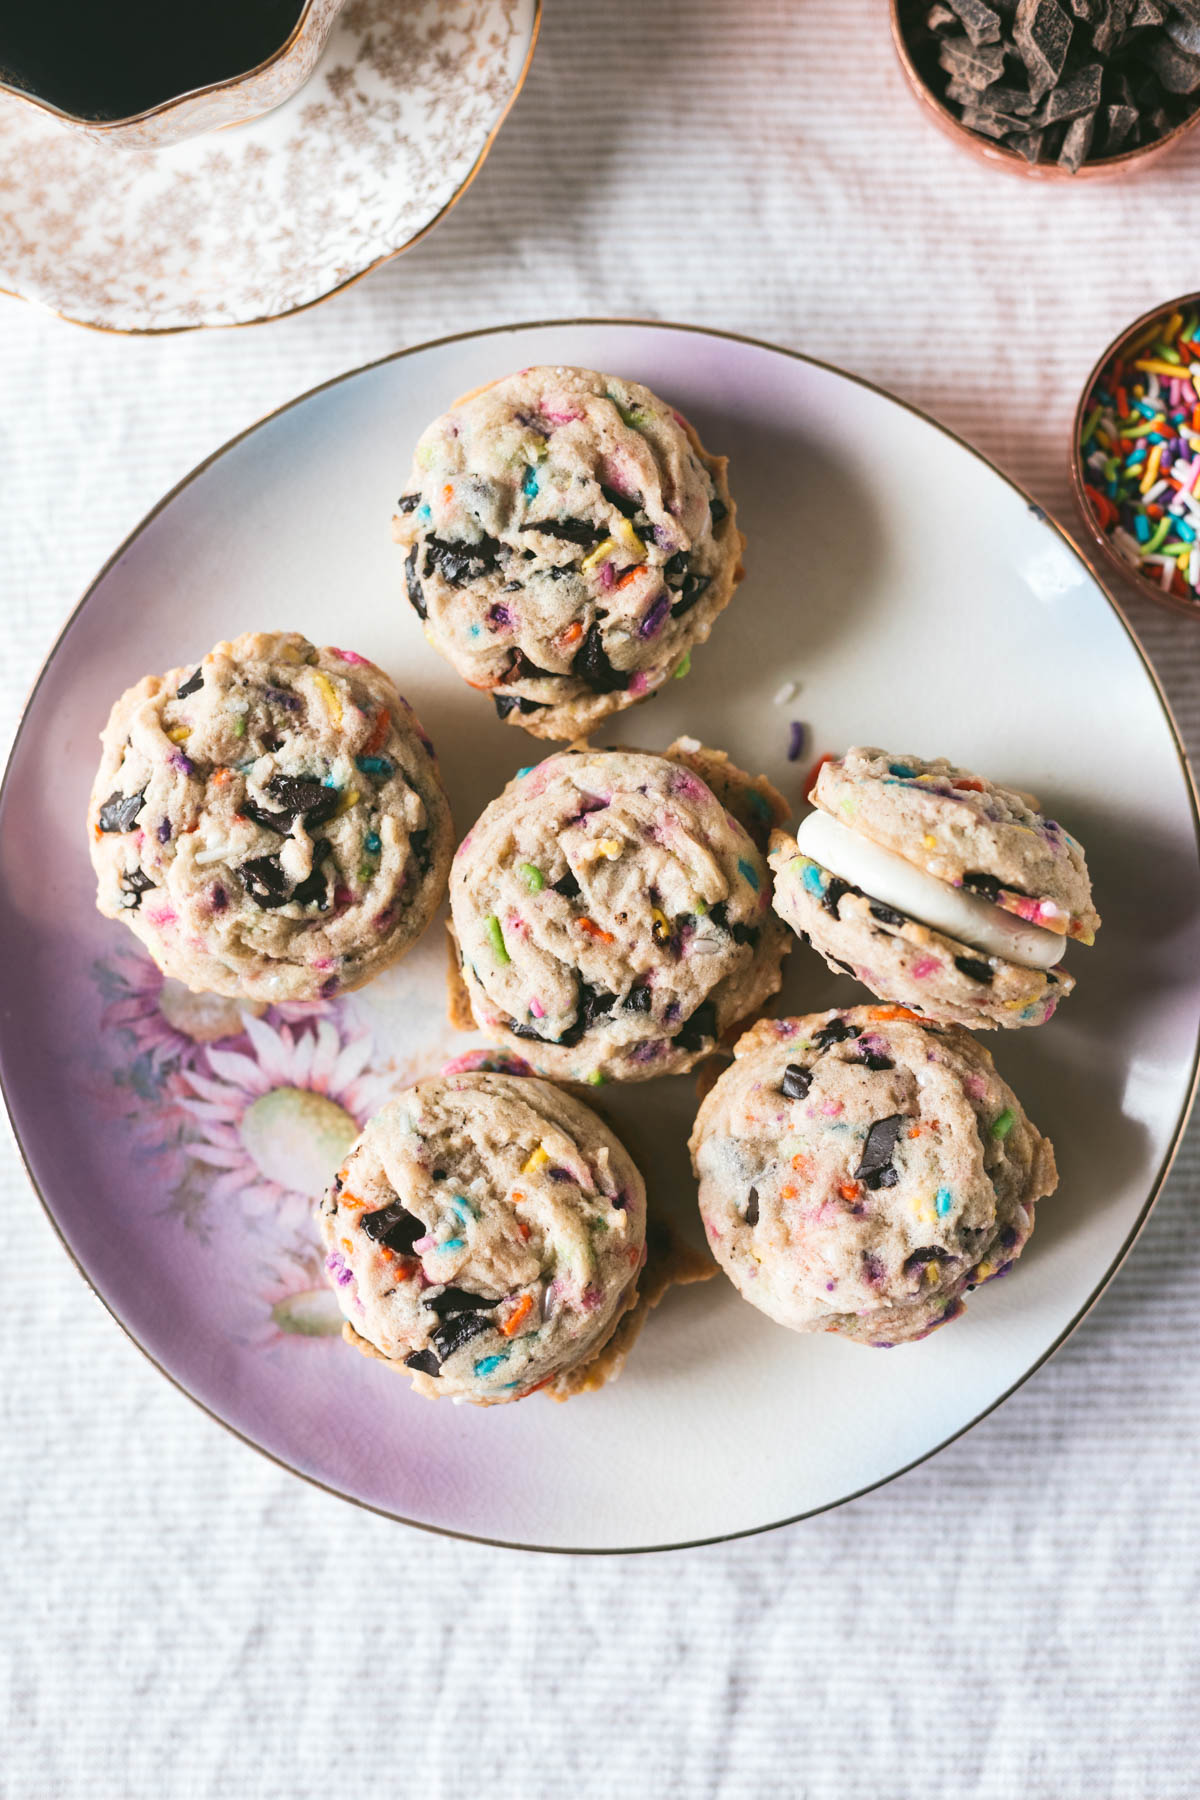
[261,219]
[918,600]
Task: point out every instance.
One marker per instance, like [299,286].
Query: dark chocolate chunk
[977,66]
[1177,69]
[693,587]
[699,1029]
[741,934]
[871,1059]
[977,969]
[412,582]
[1042,35]
[987,886]
[887,915]
[506,703]
[981,22]
[881,1178]
[939,20]
[675,569]
[418,843]
[592,666]
[1079,93]
[1077,142]
[457,1300]
[639,999]
[462,562]
[393,1226]
[522,1029]
[454,1332]
[424,1360]
[627,504]
[294,797]
[192,685]
[133,886]
[796,1082]
[834,889]
[313,890]
[120,811]
[590,1005]
[836,1032]
[567,886]
[1119,124]
[880,1147]
[521,669]
[265,882]
[717,510]
[408,502]
[571,531]
[751,1214]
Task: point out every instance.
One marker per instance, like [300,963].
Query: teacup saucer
[271,216]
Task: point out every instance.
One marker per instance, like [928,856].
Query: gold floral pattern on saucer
[267,217]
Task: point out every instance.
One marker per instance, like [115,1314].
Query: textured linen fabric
[1017,1617]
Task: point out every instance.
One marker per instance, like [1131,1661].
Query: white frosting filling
[895,882]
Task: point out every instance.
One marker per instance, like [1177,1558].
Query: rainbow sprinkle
[1140,451]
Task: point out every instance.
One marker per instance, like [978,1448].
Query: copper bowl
[230,101]
[1151,589]
[999,155]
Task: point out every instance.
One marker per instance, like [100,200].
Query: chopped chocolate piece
[313,890]
[919,1258]
[1120,123]
[1184,29]
[521,669]
[394,1227]
[592,666]
[295,798]
[1028,144]
[265,882]
[981,22]
[627,504]
[699,1029]
[751,1213]
[1080,93]
[461,562]
[975,968]
[418,843]
[986,886]
[457,1300]
[939,20]
[1042,35]
[693,587]
[717,510]
[836,1032]
[880,1146]
[412,582]
[887,915]
[454,1332]
[567,886]
[133,886]
[120,811]
[192,685]
[1148,12]
[591,1004]
[871,1059]
[408,502]
[506,703]
[976,65]
[796,1082]
[989,124]
[1178,71]
[1077,142]
[834,890]
[638,999]
[571,531]
[424,1360]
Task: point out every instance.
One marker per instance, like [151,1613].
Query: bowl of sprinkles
[1135,461]
[1054,89]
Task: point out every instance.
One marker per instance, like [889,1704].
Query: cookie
[567,541]
[485,1236]
[612,912]
[937,889]
[861,1171]
[270,822]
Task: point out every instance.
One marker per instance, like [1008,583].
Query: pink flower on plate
[275,1122]
[297,1299]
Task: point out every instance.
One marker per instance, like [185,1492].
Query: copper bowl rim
[162,107]
[999,155]
[1144,585]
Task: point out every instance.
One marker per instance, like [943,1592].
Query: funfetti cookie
[860,1171]
[270,821]
[568,541]
[611,911]
[485,1235]
[936,888]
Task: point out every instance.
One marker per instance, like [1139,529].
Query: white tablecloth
[178,1618]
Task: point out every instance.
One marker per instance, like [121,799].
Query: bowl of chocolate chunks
[1055,89]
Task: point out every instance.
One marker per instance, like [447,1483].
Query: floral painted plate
[264,218]
[899,591]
